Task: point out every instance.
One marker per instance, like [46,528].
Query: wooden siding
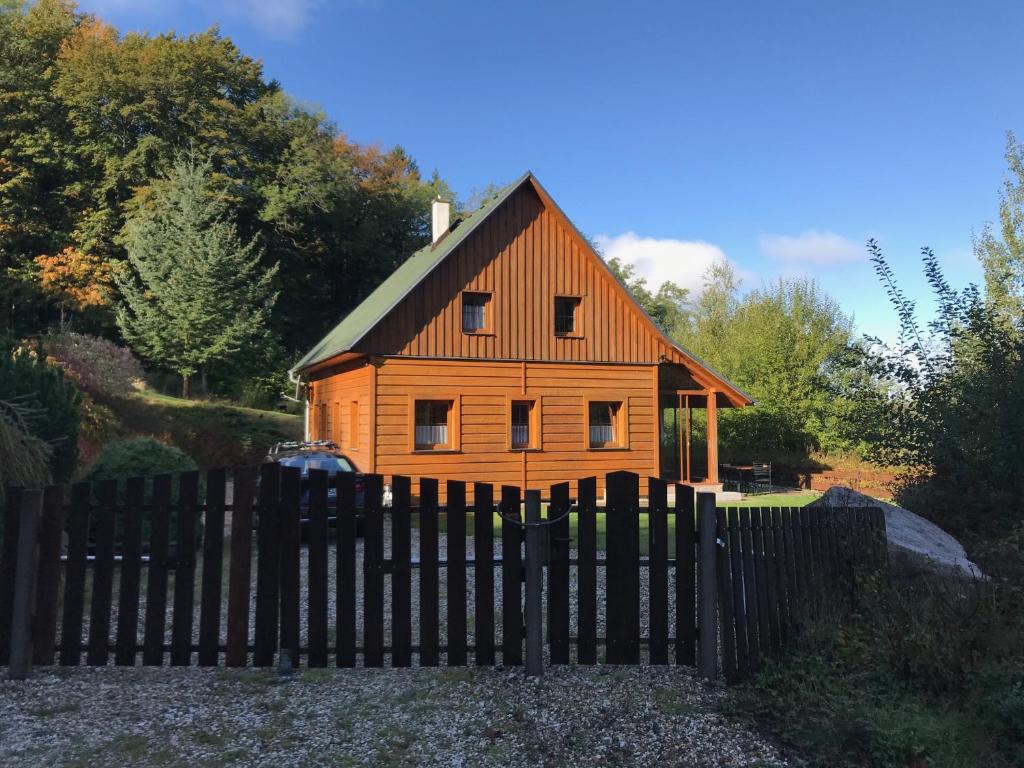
[340,387]
[484,392]
[524,255]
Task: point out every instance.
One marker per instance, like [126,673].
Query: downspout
[297,381]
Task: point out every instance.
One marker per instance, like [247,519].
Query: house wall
[332,396]
[484,390]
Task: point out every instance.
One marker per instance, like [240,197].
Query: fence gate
[220,566]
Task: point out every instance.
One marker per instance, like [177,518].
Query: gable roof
[374,308]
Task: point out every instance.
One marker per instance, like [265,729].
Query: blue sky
[777,135]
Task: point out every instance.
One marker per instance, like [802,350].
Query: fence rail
[150,572]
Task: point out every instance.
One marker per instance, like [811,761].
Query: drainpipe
[297,381]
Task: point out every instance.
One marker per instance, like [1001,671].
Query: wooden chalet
[507,352]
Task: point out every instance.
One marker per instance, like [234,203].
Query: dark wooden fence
[101,573]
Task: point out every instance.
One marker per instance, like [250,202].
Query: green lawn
[768,500]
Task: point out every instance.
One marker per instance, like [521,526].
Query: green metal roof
[399,284]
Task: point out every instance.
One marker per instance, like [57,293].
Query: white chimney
[440,215]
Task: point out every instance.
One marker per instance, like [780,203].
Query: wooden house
[506,351]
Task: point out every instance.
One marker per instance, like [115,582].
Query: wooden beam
[712,411]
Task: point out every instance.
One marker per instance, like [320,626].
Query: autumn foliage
[77,280]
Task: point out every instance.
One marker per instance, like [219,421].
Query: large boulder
[909,535]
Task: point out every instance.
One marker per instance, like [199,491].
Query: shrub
[26,377]
[142,457]
[24,458]
[139,457]
[98,366]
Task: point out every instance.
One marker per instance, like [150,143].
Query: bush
[139,457]
[928,672]
[53,401]
[98,366]
[24,458]
[142,457]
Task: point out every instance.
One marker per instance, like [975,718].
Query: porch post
[712,411]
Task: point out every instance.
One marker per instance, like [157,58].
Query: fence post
[707,608]
[24,585]
[534,574]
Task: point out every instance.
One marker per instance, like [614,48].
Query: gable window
[567,316]
[604,425]
[435,425]
[476,312]
[523,425]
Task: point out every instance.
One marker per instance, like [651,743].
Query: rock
[909,535]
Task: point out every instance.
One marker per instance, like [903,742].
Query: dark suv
[325,455]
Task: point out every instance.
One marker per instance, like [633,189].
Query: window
[475,312]
[524,425]
[566,320]
[433,425]
[353,424]
[603,422]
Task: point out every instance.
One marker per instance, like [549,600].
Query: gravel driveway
[574,716]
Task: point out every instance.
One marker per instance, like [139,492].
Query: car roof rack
[301,445]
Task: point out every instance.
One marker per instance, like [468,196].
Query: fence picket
[44,623]
[738,599]
[483,572]
[429,590]
[456,573]
[8,565]
[156,584]
[511,579]
[267,562]
[102,574]
[657,526]
[131,566]
[346,528]
[686,576]
[558,575]
[316,564]
[771,584]
[290,535]
[750,591]
[184,570]
[781,580]
[586,597]
[726,613]
[401,573]
[373,574]
[213,568]
[240,574]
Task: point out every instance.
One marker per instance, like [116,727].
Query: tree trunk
[202,381]
[185,386]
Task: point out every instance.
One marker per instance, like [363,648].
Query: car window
[333,464]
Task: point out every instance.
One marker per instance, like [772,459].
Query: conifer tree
[192,292]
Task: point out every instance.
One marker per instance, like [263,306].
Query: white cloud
[683,262]
[811,247]
[280,18]
[276,18]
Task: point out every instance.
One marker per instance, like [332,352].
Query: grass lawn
[794,499]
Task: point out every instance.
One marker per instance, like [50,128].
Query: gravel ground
[614,716]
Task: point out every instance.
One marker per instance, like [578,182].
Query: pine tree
[192,292]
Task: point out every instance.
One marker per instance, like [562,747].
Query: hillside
[215,434]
